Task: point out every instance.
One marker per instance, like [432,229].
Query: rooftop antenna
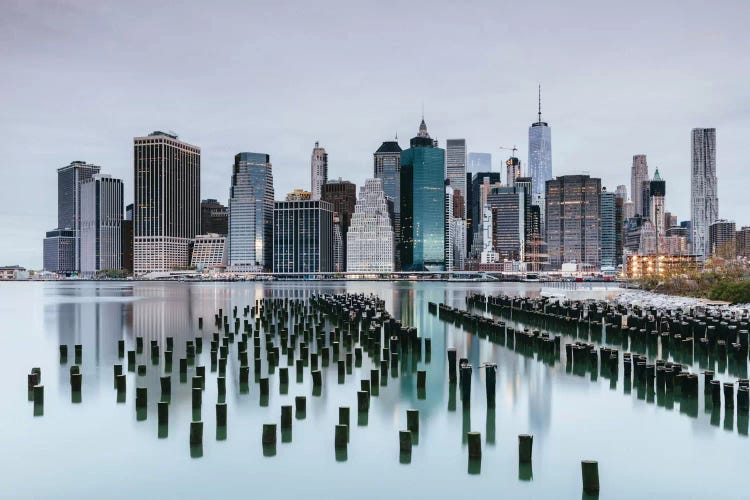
[396,136]
[540,102]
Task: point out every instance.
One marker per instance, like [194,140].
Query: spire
[540,103]
[657,177]
[423,129]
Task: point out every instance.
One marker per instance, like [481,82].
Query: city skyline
[130,93]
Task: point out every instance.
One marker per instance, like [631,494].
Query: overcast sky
[81,78]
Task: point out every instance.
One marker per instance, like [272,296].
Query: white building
[101,224]
[209,252]
[704,203]
[370,236]
[318,171]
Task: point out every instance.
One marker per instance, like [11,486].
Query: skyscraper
[343,196]
[387,168]
[704,203]
[657,190]
[455,164]
[622,192]
[478,195]
[370,237]
[508,221]
[101,224]
[250,245]
[540,153]
[638,174]
[422,204]
[573,220]
[608,228]
[318,170]
[60,251]
[69,179]
[455,231]
[302,237]
[512,171]
[479,162]
[167,201]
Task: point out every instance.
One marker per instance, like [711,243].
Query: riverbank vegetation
[718,279]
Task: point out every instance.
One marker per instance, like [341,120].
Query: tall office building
[455,164]
[101,224]
[343,196]
[524,184]
[508,222]
[622,192]
[250,245]
[573,220]
[167,201]
[657,190]
[608,228]
[704,203]
[69,179]
[540,153]
[303,237]
[479,162]
[512,170]
[422,204]
[387,168]
[455,231]
[481,184]
[339,255]
[60,251]
[638,175]
[722,238]
[619,212]
[370,237]
[318,171]
[214,218]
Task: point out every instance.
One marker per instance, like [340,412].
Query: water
[97,448]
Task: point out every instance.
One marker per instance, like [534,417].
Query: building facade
[508,222]
[318,171]
[479,162]
[481,183]
[302,237]
[387,168]
[166,202]
[370,238]
[209,252]
[422,204]
[540,153]
[343,196]
[251,205]
[573,220]
[638,175]
[101,224]
[608,229]
[722,239]
[214,218]
[60,251]
[656,208]
[299,195]
[704,202]
[455,164]
[69,179]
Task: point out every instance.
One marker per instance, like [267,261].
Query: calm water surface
[98,449]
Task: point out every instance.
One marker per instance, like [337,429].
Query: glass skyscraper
[455,164]
[251,213]
[608,228]
[423,204]
[479,162]
[387,168]
[540,154]
[69,179]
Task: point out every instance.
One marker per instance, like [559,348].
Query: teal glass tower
[422,204]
